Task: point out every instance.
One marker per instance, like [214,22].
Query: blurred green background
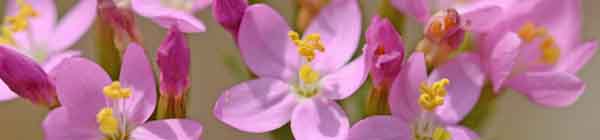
[516,118]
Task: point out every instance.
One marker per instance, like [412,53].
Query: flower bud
[229,14]
[173,60]
[121,19]
[385,51]
[26,78]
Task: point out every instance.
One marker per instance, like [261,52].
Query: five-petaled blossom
[95,108]
[299,79]
[168,13]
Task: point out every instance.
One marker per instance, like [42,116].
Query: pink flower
[169,13]
[173,59]
[537,51]
[94,108]
[293,87]
[426,109]
[229,14]
[43,38]
[384,51]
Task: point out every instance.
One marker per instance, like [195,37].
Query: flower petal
[167,17]
[136,73]
[79,83]
[578,57]
[5,92]
[476,17]
[380,128]
[462,133]
[170,129]
[503,58]
[56,59]
[257,105]
[74,25]
[319,119]
[339,25]
[549,89]
[201,4]
[59,126]
[344,82]
[40,26]
[264,44]
[466,81]
[404,93]
[417,8]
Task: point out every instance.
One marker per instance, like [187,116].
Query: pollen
[115,91]
[550,53]
[433,95]
[308,46]
[19,21]
[109,125]
[308,75]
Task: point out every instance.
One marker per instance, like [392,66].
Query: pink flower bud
[173,60]
[385,51]
[229,14]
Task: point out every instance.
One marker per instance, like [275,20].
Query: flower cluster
[299,74]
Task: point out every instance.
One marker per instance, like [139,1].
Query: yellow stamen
[19,21]
[115,91]
[530,31]
[308,75]
[7,37]
[432,96]
[307,46]
[441,134]
[109,125]
[550,53]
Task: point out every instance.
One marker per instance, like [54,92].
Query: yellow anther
[550,53]
[441,134]
[7,37]
[307,46]
[433,95]
[115,91]
[19,22]
[529,31]
[308,75]
[109,125]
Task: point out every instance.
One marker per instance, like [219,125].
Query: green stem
[108,55]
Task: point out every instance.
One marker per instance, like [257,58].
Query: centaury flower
[427,108]
[169,13]
[31,28]
[96,108]
[299,79]
[537,51]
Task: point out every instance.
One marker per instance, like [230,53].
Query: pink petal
[503,58]
[462,133]
[479,17]
[380,128]
[56,59]
[404,93]
[339,25]
[319,119]
[167,16]
[344,82]
[550,89]
[466,81]
[40,26]
[74,25]
[59,126]
[256,106]
[264,44]
[417,8]
[170,129]
[79,83]
[136,73]
[578,57]
[5,92]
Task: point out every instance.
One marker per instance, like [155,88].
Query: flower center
[309,78]
[550,52]
[16,23]
[112,119]
[443,24]
[426,127]
[185,5]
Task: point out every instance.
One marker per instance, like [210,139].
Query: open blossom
[427,108]
[34,31]
[299,79]
[537,51]
[95,108]
[169,13]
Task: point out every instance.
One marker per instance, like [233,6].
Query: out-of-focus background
[516,119]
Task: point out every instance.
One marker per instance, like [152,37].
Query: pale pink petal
[503,58]
[79,83]
[578,57]
[319,119]
[416,8]
[256,106]
[136,73]
[264,44]
[380,128]
[462,133]
[5,92]
[550,89]
[344,82]
[40,26]
[479,17]
[466,80]
[74,25]
[56,59]
[339,25]
[170,129]
[58,125]
[404,93]
[167,16]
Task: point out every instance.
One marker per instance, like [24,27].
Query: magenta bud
[385,51]
[173,60]
[121,19]
[26,78]
[229,14]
